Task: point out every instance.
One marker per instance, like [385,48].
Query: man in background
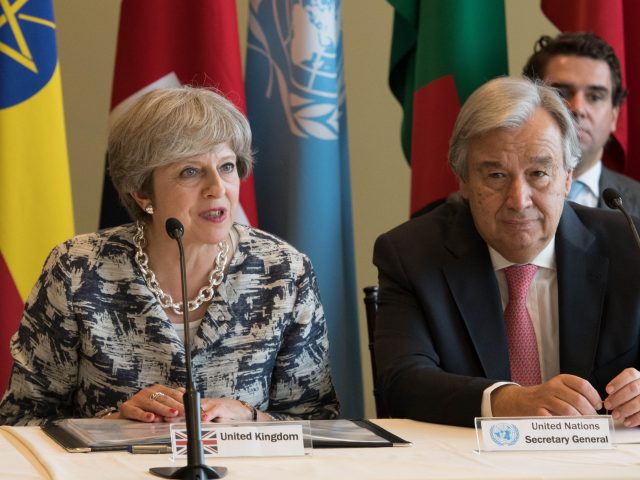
[585,70]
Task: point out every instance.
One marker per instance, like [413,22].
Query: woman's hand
[160,403]
[223,409]
[153,404]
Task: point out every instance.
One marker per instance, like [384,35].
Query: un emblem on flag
[28,54]
[305,58]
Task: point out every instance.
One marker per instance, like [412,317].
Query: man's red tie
[523,348]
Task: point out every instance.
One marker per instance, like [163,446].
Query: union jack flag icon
[209,442]
[180,439]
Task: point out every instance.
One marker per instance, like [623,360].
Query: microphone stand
[613,199]
[196,469]
[632,226]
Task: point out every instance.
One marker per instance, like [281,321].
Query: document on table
[89,434]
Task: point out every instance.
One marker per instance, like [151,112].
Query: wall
[380,178]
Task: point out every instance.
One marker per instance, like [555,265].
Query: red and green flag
[441,51]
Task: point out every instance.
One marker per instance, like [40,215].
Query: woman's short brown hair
[168,125]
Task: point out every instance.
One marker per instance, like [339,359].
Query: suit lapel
[475,290]
[582,277]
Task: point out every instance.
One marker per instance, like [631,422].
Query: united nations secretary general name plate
[503,434]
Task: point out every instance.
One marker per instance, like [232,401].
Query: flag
[441,51]
[168,43]
[210,441]
[617,22]
[296,106]
[180,442]
[35,191]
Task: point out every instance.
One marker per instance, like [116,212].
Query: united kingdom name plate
[544,433]
[254,439]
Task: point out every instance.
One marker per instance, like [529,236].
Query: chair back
[371,309]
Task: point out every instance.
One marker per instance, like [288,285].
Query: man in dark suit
[585,70]
[451,335]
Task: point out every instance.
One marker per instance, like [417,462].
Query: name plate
[544,433]
[267,439]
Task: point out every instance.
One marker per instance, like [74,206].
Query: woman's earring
[149,209]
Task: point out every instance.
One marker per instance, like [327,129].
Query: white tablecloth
[437,452]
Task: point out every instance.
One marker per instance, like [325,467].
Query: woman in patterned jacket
[101,333]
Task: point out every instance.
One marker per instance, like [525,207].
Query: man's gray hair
[509,102]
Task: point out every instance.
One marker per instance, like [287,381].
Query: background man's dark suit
[628,188]
[440,339]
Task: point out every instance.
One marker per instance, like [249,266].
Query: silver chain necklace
[166,301]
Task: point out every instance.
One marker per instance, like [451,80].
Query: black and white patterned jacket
[93,334]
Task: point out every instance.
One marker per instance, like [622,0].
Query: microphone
[613,199]
[174,228]
[195,469]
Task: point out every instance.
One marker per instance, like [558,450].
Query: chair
[371,309]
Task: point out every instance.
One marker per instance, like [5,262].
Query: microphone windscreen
[612,198]
[174,228]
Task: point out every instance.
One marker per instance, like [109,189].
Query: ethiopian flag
[35,192]
[442,50]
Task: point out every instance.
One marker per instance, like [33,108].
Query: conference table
[437,452]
